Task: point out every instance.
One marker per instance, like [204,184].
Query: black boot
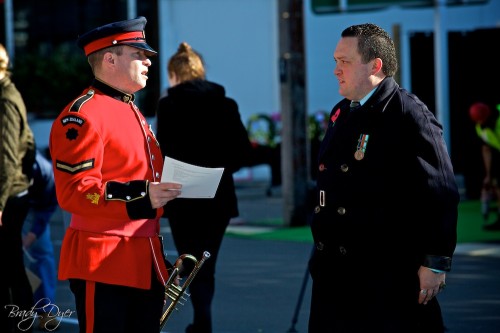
[495,226]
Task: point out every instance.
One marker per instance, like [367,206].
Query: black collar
[112,92]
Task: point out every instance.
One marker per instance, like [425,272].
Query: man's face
[352,74]
[4,60]
[131,69]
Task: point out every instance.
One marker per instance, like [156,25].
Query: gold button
[341,210]
[344,167]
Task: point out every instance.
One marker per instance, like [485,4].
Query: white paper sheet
[197,182]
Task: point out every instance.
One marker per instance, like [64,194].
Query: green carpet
[470,223]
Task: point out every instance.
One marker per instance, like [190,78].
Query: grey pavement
[262,284]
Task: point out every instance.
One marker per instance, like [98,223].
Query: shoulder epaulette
[78,103]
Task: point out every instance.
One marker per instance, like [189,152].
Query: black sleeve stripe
[78,103]
[74,168]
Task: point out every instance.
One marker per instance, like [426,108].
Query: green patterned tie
[354,105]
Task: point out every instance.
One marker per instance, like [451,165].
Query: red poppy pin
[334,117]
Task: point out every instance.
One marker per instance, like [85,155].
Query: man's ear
[109,58]
[377,65]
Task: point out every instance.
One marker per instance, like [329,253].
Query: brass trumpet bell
[174,293]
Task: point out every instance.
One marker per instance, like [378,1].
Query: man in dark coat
[37,241]
[385,222]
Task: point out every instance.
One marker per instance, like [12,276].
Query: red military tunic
[104,154]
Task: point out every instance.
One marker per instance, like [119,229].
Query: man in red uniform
[107,168]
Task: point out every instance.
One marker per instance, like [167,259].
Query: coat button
[341,210]
[321,167]
[320,246]
[344,167]
[317,209]
[157,175]
[342,250]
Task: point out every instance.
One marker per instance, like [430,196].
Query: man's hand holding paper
[161,193]
[197,182]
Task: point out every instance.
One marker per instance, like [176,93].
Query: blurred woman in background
[198,124]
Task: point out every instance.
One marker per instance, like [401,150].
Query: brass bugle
[174,293]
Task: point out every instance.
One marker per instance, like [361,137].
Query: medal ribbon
[362,142]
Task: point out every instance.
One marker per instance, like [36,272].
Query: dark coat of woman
[198,124]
